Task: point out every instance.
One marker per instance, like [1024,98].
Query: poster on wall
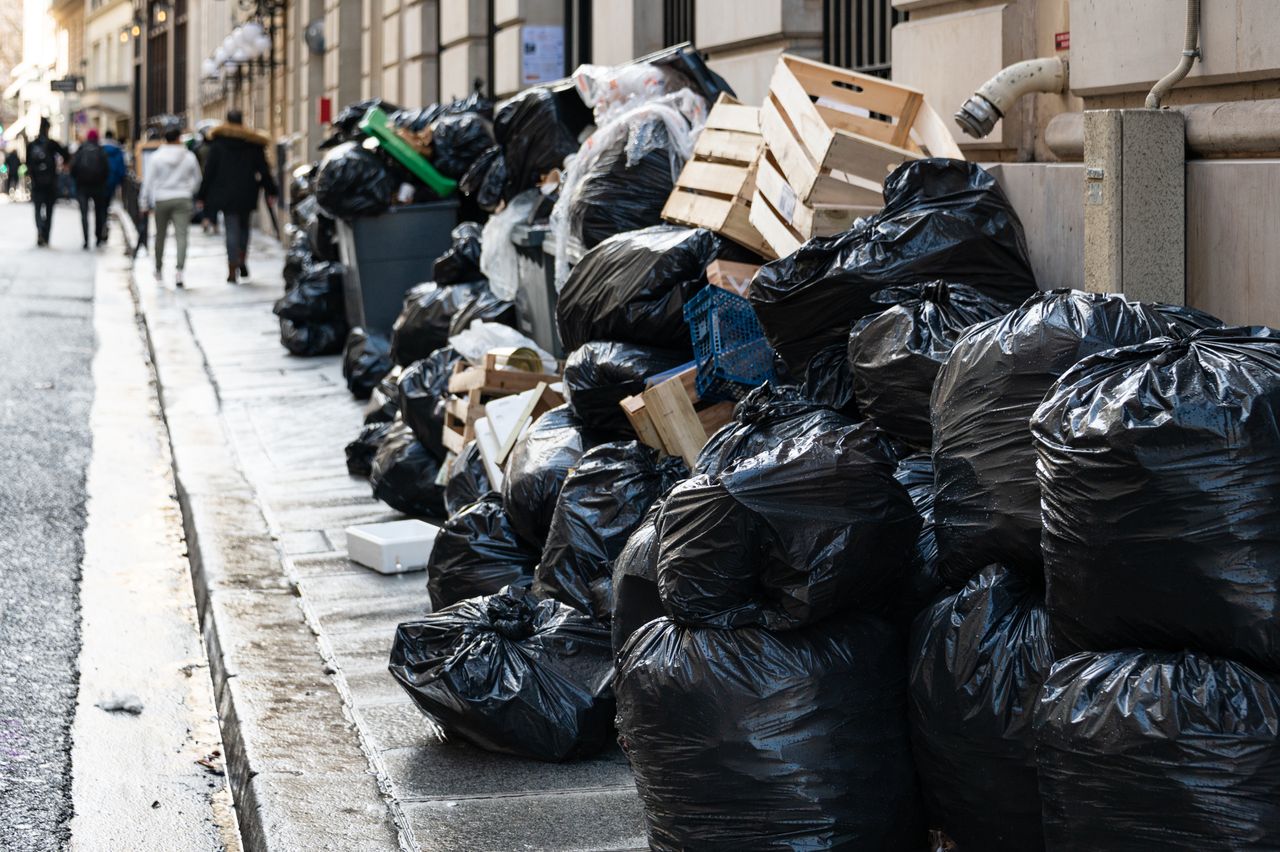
[542,54]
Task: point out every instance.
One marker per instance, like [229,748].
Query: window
[677,21]
[577,34]
[855,34]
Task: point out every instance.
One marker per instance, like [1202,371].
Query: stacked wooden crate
[715,187]
[830,138]
[471,387]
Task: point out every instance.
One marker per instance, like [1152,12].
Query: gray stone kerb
[299,771]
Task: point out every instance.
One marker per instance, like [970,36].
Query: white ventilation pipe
[1190,52]
[993,100]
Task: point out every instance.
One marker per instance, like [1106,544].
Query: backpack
[40,165]
[89,166]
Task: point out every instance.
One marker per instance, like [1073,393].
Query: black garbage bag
[361,451]
[511,674]
[460,263]
[483,306]
[978,659]
[751,739]
[636,601]
[424,391]
[942,219]
[315,297]
[1142,750]
[477,553]
[347,122]
[603,501]
[632,287]
[296,259]
[1185,320]
[537,128]
[458,140]
[366,359]
[404,475]
[485,180]
[828,380]
[894,356]
[988,502]
[1160,493]
[771,414]
[384,402]
[353,182]
[320,230]
[536,468]
[468,480]
[600,374]
[803,531]
[307,339]
[614,195]
[423,324]
[923,584]
[302,183]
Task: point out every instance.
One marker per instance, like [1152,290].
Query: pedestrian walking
[90,168]
[115,164]
[171,180]
[12,168]
[235,172]
[43,155]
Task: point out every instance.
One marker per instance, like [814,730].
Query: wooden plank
[861,124]
[865,157]
[873,94]
[805,220]
[731,145]
[494,381]
[638,416]
[738,228]
[797,163]
[775,231]
[714,417]
[720,178]
[790,98]
[728,114]
[671,411]
[731,275]
[700,211]
[934,134]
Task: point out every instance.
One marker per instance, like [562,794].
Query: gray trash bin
[536,298]
[387,255]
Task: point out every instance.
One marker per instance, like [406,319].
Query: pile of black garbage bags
[983,561]
[313,319]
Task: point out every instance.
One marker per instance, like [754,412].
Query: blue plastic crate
[728,344]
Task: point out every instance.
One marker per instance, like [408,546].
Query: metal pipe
[978,115]
[1231,129]
[1190,52]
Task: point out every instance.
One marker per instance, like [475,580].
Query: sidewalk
[324,749]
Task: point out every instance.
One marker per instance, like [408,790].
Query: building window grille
[855,34]
[677,22]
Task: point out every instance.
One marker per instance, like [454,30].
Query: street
[109,730]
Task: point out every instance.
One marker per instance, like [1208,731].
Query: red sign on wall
[324,110]
[1061,41]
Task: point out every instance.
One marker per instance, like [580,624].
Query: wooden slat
[638,417]
[796,162]
[671,411]
[809,221]
[699,211]
[713,417]
[791,100]
[738,228]
[731,275]
[871,93]
[494,381]
[772,228]
[861,124]
[728,114]
[720,178]
[731,145]
[935,135]
[866,157]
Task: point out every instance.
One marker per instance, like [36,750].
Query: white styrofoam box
[393,547]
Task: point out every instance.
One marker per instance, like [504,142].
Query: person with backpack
[171,180]
[115,164]
[234,173]
[43,155]
[91,169]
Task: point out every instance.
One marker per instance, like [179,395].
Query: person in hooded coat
[235,172]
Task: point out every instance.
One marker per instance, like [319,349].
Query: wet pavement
[46,390]
[301,630]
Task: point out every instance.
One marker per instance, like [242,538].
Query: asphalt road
[46,390]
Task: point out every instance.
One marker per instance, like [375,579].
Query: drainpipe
[1190,52]
[993,100]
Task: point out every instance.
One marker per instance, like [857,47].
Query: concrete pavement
[324,749]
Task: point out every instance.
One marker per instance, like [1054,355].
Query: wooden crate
[671,417]
[835,134]
[714,188]
[802,220]
[470,386]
